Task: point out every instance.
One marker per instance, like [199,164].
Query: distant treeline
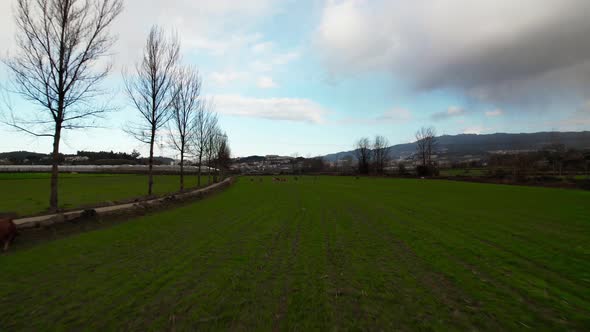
[22,158]
[554,160]
[80,158]
[106,155]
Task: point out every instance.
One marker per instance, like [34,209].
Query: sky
[309,77]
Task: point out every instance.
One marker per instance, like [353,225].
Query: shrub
[427,170]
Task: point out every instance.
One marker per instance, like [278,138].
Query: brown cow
[7,231]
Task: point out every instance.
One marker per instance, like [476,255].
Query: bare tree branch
[203,126]
[152,90]
[425,147]
[210,143]
[380,153]
[59,45]
[184,108]
[363,155]
[222,154]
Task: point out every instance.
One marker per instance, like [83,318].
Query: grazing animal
[7,231]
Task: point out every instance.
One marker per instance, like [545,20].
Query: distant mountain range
[482,144]
[451,145]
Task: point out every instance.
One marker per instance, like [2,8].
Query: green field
[332,253]
[28,193]
[463,172]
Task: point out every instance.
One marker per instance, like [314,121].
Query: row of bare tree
[554,160]
[372,157]
[59,65]
[167,95]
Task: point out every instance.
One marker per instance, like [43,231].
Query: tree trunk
[560,168]
[216,174]
[53,196]
[181,171]
[151,164]
[199,170]
[208,173]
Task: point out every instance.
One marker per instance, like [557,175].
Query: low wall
[50,219]
[159,169]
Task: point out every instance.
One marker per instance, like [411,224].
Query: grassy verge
[28,193]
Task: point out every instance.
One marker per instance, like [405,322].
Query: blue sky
[310,77]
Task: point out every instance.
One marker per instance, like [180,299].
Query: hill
[482,144]
[20,155]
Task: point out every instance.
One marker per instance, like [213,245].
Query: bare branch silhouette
[151,89]
[59,46]
[184,109]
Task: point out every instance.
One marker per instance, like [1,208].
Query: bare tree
[59,46]
[211,147]
[184,108]
[152,90]
[431,144]
[205,121]
[363,155]
[380,153]
[223,154]
[426,144]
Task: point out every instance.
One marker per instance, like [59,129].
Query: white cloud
[285,58]
[451,112]
[578,120]
[226,77]
[220,46]
[352,36]
[261,66]
[7,27]
[266,82]
[497,112]
[398,115]
[498,51]
[395,116]
[219,27]
[262,47]
[475,130]
[267,64]
[291,109]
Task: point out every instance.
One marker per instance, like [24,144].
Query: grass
[331,253]
[463,172]
[576,177]
[481,172]
[28,193]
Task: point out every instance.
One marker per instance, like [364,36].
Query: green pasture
[475,172]
[325,253]
[28,193]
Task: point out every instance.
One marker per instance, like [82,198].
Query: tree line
[553,160]
[168,95]
[372,157]
[60,61]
